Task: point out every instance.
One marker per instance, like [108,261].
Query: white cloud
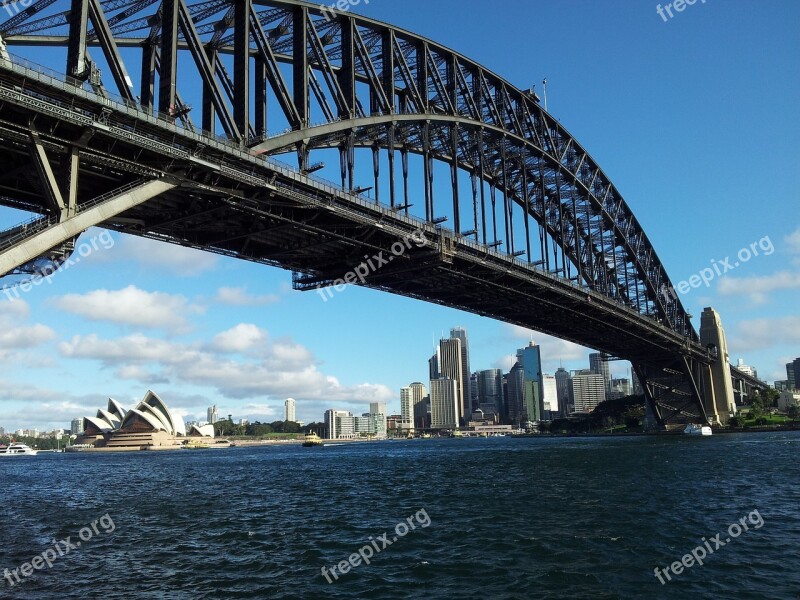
[131,306]
[14,335]
[14,309]
[137,373]
[25,337]
[793,241]
[758,288]
[238,296]
[241,338]
[266,368]
[162,256]
[756,334]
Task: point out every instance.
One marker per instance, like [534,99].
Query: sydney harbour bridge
[203,124]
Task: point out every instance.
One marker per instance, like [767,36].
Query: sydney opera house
[149,426]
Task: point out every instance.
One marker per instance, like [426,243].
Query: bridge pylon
[717,385]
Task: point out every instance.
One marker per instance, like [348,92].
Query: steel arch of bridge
[390,92]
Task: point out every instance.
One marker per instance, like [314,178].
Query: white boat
[17,449]
[692,429]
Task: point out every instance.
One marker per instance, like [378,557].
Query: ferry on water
[311,440]
[692,429]
[17,449]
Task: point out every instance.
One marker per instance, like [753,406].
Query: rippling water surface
[509,519]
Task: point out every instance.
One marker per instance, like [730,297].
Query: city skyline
[210,330]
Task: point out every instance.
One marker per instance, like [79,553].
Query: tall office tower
[516,393]
[598,363]
[406,409]
[378,410]
[503,416]
[76,427]
[550,397]
[212,414]
[419,411]
[792,371]
[533,390]
[289,410]
[444,403]
[434,371]
[451,366]
[588,390]
[564,390]
[460,333]
[490,391]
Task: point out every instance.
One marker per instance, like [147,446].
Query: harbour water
[501,518]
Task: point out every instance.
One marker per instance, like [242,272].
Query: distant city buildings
[620,388]
[289,410]
[533,386]
[343,425]
[470,394]
[564,390]
[490,393]
[413,409]
[588,390]
[451,366]
[444,403]
[746,369]
[792,372]
[598,363]
[550,396]
[76,427]
[212,414]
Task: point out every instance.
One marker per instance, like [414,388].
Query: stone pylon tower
[717,385]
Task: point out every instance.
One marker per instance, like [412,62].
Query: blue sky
[695,120]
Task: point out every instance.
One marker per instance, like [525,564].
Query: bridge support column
[717,388]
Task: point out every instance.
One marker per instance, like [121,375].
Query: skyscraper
[212,414]
[564,391]
[444,403]
[460,333]
[598,363]
[550,396]
[289,410]
[792,371]
[451,366]
[406,409]
[76,427]
[490,391]
[588,390]
[433,366]
[419,407]
[533,389]
[516,393]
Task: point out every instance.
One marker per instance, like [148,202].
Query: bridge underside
[79,159]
